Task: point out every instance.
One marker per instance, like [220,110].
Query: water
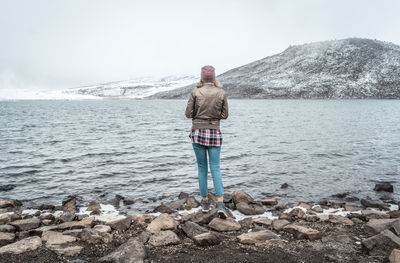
[141,148]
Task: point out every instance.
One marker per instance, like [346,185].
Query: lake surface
[141,149]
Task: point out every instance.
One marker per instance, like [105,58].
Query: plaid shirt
[206,137]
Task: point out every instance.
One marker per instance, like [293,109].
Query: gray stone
[278,224]
[336,219]
[6,238]
[304,205]
[372,214]
[262,221]
[164,238]
[120,224]
[297,213]
[375,226]
[5,219]
[93,205]
[396,227]
[7,228]
[192,229]
[317,208]
[301,232]
[206,239]
[92,236]
[9,203]
[162,222]
[69,205]
[352,208]
[239,196]
[369,203]
[27,244]
[66,250]
[382,243]
[133,251]
[384,186]
[269,202]
[56,238]
[250,209]
[202,218]
[191,202]
[84,223]
[246,222]
[394,256]
[102,228]
[262,237]
[228,224]
[73,232]
[26,224]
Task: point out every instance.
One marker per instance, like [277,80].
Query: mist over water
[141,148]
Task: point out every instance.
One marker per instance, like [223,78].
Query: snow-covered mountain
[347,68]
[135,88]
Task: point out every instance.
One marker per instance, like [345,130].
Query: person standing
[206,106]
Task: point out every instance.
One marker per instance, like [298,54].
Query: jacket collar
[208,83]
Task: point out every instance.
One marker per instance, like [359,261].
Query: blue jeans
[201,156]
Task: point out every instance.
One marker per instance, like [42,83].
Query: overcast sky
[53,44]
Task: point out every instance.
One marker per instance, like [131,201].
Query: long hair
[216,84]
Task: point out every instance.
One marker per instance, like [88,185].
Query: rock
[228,224]
[369,203]
[311,218]
[27,244]
[93,205]
[142,218]
[86,222]
[352,208]
[177,205]
[95,212]
[301,232]
[7,187]
[56,238]
[46,216]
[304,205]
[262,221]
[162,222]
[297,212]
[128,201]
[66,250]
[46,207]
[239,196]
[246,222]
[164,209]
[183,195]
[7,228]
[285,185]
[120,224]
[203,218]
[394,214]
[396,227]
[351,198]
[192,229]
[26,224]
[382,243]
[278,224]
[317,208]
[9,203]
[6,238]
[375,226]
[323,217]
[65,217]
[92,236]
[69,205]
[133,251]
[372,214]
[395,256]
[164,238]
[191,202]
[206,239]
[259,238]
[249,209]
[102,228]
[384,186]
[73,232]
[77,261]
[5,219]
[269,202]
[336,219]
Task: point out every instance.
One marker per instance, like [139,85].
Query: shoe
[205,206]
[222,210]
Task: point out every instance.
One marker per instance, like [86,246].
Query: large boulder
[395,256]
[375,226]
[5,219]
[262,220]
[228,224]
[133,251]
[206,239]
[120,224]
[6,238]
[192,229]
[239,196]
[69,205]
[384,186]
[9,203]
[27,244]
[164,238]
[84,223]
[374,204]
[66,250]
[93,236]
[279,224]
[337,219]
[7,228]
[250,209]
[162,222]
[259,237]
[301,232]
[26,224]
[382,243]
[202,218]
[56,238]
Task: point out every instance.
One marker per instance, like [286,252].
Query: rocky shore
[256,231]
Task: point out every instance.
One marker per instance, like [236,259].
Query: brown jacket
[207,105]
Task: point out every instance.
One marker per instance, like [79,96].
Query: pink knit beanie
[208,74]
